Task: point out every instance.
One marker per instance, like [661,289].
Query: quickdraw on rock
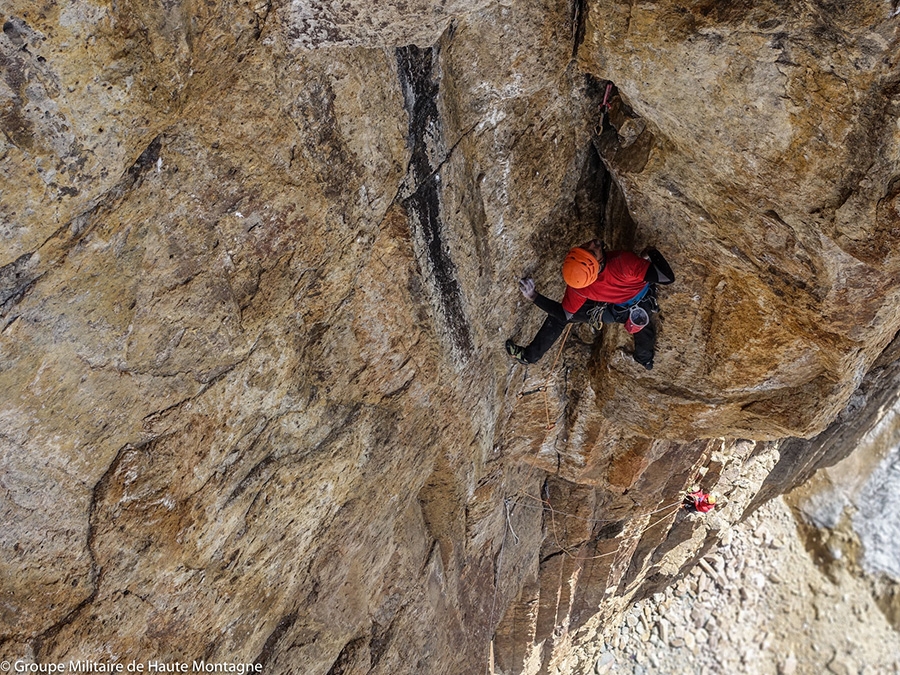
[605,106]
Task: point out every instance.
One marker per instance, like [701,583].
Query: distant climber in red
[700,501]
[601,286]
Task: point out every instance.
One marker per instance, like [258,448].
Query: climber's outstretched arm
[552,307]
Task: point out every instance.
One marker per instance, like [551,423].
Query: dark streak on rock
[18,130]
[259,21]
[283,626]
[381,638]
[54,630]
[610,530]
[320,137]
[144,161]
[14,30]
[866,140]
[550,556]
[346,660]
[338,429]
[255,471]
[16,279]
[420,91]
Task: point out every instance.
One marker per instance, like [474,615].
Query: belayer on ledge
[601,286]
[699,501]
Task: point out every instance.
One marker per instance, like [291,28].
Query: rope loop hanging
[546,385]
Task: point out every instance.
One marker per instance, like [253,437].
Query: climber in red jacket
[700,501]
[612,287]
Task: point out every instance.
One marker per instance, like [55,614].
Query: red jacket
[700,501]
[620,281]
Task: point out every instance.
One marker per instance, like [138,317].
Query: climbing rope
[570,552]
[668,515]
[558,596]
[545,504]
[509,522]
[546,385]
[565,334]
[633,534]
[497,585]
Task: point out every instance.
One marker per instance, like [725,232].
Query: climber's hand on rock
[526,285]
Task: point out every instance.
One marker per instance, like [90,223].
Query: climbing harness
[636,299]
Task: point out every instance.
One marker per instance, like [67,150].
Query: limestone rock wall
[258,263]
[771,180]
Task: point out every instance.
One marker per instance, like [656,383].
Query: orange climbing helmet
[580,268]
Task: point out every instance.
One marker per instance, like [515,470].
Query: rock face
[258,263]
[758,605]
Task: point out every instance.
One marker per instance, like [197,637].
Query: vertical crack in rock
[579,16]
[261,11]
[97,494]
[378,643]
[422,189]
[623,139]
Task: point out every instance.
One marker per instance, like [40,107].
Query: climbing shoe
[517,352]
[648,365]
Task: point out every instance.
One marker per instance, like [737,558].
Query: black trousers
[552,328]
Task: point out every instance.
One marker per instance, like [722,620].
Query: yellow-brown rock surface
[259,260]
